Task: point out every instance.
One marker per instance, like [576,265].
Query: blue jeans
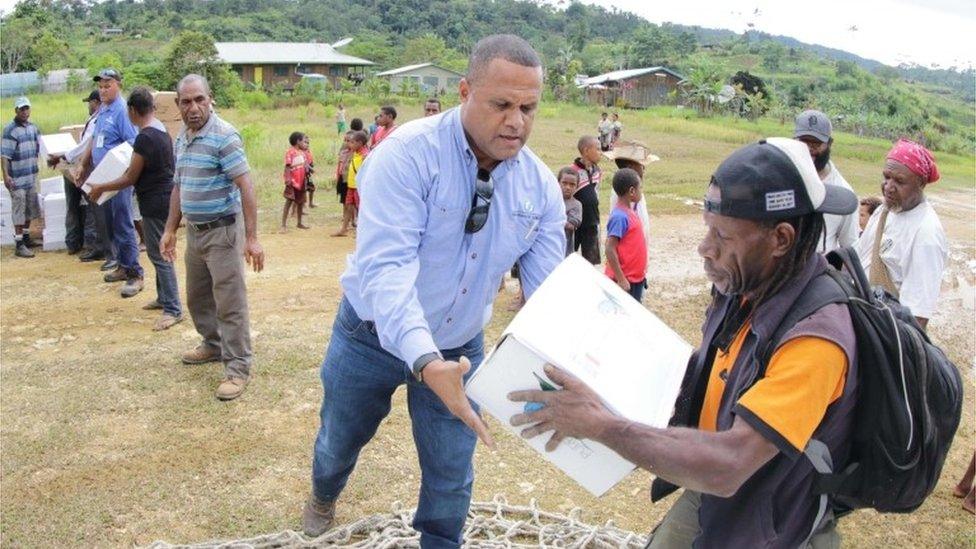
[167,290]
[124,233]
[359,378]
[637,290]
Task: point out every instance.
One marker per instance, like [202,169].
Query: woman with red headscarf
[903,247]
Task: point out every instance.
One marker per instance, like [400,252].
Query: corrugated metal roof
[409,68]
[284,53]
[627,74]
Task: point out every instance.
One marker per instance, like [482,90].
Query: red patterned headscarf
[916,158]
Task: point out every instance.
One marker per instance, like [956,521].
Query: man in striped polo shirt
[213,189]
[19,162]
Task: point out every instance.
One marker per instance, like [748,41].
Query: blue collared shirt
[426,283]
[207,163]
[112,127]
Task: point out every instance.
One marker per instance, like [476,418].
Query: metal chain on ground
[490,525]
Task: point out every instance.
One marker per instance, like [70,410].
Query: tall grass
[690,146]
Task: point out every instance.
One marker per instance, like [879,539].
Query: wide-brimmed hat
[631,150]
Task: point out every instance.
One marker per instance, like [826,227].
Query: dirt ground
[108,440]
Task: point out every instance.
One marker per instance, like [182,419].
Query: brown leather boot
[231,388]
[318,517]
[201,354]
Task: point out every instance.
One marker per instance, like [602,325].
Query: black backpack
[909,401]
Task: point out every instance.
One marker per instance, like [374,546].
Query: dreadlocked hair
[809,231]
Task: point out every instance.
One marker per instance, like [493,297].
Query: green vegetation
[163,38]
[109,442]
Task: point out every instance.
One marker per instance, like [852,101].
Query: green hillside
[866,98]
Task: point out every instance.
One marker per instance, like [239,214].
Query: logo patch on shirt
[528,207]
[780,200]
[886,245]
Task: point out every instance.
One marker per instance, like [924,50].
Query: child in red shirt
[626,246]
[294,175]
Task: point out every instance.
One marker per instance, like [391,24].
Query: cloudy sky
[926,32]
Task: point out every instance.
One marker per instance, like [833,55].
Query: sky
[924,32]
[930,32]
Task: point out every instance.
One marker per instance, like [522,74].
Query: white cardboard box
[112,166]
[52,185]
[52,245]
[56,143]
[581,321]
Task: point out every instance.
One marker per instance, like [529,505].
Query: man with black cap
[112,128]
[814,129]
[81,229]
[743,444]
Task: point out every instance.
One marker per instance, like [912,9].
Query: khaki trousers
[216,295]
[679,528]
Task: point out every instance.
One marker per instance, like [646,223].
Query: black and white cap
[775,179]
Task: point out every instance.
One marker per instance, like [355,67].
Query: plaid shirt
[20,146]
[206,166]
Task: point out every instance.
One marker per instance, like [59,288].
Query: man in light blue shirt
[449,203]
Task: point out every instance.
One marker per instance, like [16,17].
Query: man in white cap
[19,161]
[814,129]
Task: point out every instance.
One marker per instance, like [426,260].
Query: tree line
[160,37]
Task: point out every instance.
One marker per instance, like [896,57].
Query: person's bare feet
[283,229]
[339,233]
[969,503]
[959,492]
[301,226]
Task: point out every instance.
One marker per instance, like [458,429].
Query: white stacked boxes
[48,186]
[55,209]
[6,218]
[51,185]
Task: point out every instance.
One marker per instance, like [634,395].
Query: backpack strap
[822,290]
[819,455]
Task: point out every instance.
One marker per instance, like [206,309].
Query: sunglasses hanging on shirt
[484,187]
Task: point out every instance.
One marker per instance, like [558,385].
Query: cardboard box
[75,130]
[166,108]
[56,143]
[582,322]
[112,166]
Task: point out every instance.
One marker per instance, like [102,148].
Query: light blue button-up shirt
[424,282]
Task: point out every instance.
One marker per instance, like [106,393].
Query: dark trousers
[167,290]
[588,243]
[637,289]
[91,231]
[74,219]
[103,228]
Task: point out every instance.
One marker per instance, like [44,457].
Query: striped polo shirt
[19,145]
[206,165]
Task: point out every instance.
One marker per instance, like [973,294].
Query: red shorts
[352,197]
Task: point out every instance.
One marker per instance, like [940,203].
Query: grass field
[107,440]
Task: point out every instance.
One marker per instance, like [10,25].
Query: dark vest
[776,507]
